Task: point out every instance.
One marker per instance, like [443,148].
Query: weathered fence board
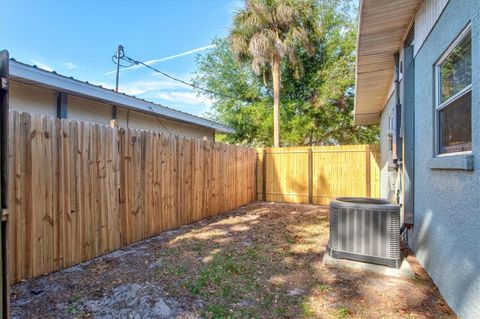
[79,190]
[317,174]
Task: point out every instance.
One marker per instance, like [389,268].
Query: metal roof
[51,79]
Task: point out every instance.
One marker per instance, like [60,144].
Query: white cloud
[164,91]
[171,57]
[68,65]
[184,98]
[142,87]
[146,86]
[167,90]
[42,66]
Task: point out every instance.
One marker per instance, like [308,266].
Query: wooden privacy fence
[317,174]
[78,190]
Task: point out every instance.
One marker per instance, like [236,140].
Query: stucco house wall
[88,110]
[27,98]
[149,122]
[446,234]
[388,174]
[34,99]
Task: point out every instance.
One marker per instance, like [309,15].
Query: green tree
[265,32]
[316,108]
[242,102]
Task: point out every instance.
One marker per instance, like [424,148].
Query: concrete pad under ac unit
[405,271]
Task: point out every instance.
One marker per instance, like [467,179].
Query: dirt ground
[263,260]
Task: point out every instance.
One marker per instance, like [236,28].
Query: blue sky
[78,38]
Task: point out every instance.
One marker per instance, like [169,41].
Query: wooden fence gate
[317,174]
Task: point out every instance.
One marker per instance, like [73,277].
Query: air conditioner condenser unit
[365,229]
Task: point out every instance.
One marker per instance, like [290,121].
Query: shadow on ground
[263,260]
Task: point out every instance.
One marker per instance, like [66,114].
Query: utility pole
[119,56]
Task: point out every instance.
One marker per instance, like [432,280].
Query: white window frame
[441,105]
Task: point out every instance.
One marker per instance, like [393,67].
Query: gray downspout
[397,141]
[398,111]
[408,135]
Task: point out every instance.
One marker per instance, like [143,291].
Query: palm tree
[265,32]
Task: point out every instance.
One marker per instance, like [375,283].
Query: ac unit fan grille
[369,232]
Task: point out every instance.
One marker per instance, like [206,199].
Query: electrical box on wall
[395,140]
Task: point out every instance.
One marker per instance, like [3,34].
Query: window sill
[455,162]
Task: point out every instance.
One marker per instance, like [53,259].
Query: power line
[158,119]
[209,127]
[137,62]
[120,55]
[119,52]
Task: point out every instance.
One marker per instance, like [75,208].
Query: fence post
[4,107]
[310,175]
[264,174]
[368,171]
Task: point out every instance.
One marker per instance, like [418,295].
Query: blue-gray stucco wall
[446,235]
[388,174]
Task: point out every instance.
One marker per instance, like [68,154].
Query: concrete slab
[405,271]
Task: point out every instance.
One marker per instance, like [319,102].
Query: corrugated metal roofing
[51,79]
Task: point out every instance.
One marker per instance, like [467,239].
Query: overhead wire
[123,66]
[159,121]
[137,62]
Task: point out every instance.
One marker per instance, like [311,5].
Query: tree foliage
[266,32]
[316,107]
[266,29]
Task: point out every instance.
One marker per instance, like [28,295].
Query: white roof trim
[75,87]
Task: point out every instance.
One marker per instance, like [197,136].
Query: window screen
[454,102]
[456,125]
[456,69]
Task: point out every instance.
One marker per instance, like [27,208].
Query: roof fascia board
[360,13]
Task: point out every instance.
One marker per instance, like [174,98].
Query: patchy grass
[267,263]
[261,261]
[342,312]
[323,288]
[74,311]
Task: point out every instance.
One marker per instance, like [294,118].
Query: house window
[454,97]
